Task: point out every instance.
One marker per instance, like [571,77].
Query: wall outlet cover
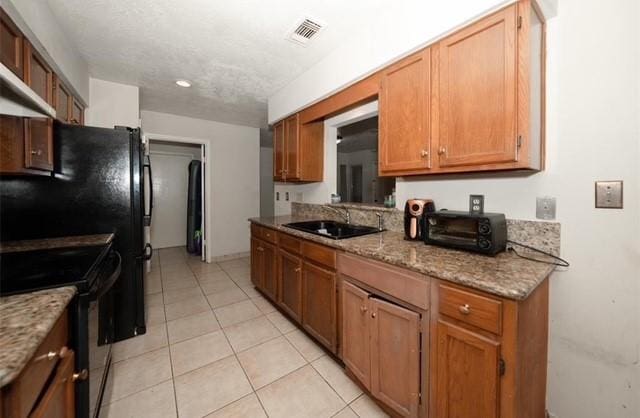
[546,208]
[609,194]
[277,196]
[286,196]
[476,203]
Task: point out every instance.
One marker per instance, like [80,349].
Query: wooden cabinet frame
[524,122]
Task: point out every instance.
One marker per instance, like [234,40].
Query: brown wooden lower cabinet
[59,400]
[381,347]
[420,346]
[264,267]
[257,261]
[467,373]
[45,388]
[319,309]
[270,270]
[290,277]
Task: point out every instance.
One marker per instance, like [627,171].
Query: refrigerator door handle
[148,252]
[147,216]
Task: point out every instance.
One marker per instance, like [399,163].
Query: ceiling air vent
[305,30]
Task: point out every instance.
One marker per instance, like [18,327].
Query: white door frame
[206,184]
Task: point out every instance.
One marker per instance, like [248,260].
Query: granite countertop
[25,320]
[51,243]
[505,275]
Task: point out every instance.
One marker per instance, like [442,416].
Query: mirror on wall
[357,164]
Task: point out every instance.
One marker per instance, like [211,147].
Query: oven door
[101,330]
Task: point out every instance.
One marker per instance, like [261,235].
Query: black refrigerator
[96,187]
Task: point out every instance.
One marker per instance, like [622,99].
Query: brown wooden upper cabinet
[26,145]
[37,73]
[471,102]
[298,150]
[404,113]
[11,45]
[62,100]
[68,108]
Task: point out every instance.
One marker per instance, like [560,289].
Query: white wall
[112,104]
[593,133]
[37,21]
[233,154]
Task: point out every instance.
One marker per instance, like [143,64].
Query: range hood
[17,99]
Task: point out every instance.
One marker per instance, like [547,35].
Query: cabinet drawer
[265,234]
[27,387]
[289,243]
[471,308]
[405,285]
[320,254]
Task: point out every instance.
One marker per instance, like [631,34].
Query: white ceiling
[233,51]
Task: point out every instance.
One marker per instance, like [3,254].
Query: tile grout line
[173,380]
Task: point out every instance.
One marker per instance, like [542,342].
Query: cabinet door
[467,373]
[290,297]
[59,399]
[62,101]
[319,304]
[278,151]
[257,263]
[404,115]
[477,93]
[11,45]
[356,347]
[38,75]
[38,143]
[395,357]
[270,270]
[292,147]
[77,113]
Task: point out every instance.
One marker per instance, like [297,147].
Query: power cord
[561,262]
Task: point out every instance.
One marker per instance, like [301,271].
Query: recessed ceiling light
[183,83]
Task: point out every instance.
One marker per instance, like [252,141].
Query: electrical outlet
[546,208]
[277,196]
[609,194]
[286,196]
[476,203]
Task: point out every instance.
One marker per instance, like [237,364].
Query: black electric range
[93,270]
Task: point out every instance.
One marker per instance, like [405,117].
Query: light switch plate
[609,194]
[277,196]
[546,208]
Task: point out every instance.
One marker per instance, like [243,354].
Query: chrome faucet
[380,222]
[346,214]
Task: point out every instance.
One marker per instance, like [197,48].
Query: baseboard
[228,257]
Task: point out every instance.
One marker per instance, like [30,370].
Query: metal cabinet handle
[363,309]
[81,375]
[37,152]
[373,314]
[424,153]
[464,309]
[260,249]
[297,269]
[442,150]
[51,355]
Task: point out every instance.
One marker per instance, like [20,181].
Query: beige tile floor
[215,348]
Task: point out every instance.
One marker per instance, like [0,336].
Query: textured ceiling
[234,52]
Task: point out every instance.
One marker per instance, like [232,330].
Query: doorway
[180,207]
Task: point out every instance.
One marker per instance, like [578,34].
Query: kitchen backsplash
[542,235]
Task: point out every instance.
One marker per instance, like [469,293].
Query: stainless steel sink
[332,229]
